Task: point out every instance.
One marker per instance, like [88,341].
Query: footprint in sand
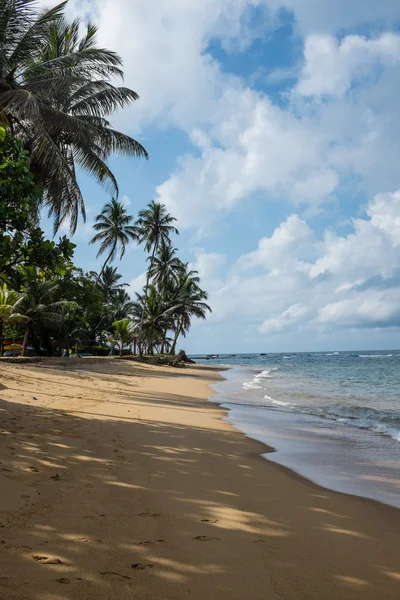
[46,560]
[205,538]
[141,566]
[148,514]
[66,580]
[33,469]
[209,520]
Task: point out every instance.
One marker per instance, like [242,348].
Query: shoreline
[170,500]
[288,434]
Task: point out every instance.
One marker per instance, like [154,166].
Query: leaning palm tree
[7,300]
[56,94]
[114,231]
[190,302]
[154,226]
[36,306]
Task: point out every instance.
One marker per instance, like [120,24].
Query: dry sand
[121,482]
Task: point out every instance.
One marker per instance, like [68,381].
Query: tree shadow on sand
[100,507]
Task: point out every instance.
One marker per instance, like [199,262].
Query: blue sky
[273,133]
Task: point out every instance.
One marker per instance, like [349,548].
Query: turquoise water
[361,389]
[332,416]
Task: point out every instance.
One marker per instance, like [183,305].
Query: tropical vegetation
[57,93]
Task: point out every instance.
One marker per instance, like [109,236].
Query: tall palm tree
[7,300]
[55,93]
[115,231]
[36,306]
[165,265]
[154,226]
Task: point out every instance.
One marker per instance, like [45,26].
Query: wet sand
[120,481]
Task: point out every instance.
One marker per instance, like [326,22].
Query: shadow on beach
[115,507]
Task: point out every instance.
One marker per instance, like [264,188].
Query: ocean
[333,417]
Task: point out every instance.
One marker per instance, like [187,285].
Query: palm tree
[121,305]
[124,331]
[67,328]
[154,226]
[109,282]
[190,302]
[7,300]
[36,307]
[165,265]
[153,317]
[55,94]
[114,230]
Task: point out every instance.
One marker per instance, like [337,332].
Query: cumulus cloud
[340,283]
[332,66]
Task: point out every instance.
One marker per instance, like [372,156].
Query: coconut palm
[114,231]
[153,316]
[121,305]
[165,265]
[7,300]
[67,329]
[36,306]
[154,226]
[190,302]
[55,94]
[123,333]
[109,282]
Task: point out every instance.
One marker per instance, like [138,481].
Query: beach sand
[120,481]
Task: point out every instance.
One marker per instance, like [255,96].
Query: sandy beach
[120,481]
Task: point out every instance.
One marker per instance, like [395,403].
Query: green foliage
[56,91]
[114,230]
[18,192]
[22,242]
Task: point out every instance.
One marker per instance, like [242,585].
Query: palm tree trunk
[163,342]
[106,261]
[121,348]
[177,334]
[134,346]
[1,336]
[25,342]
[147,285]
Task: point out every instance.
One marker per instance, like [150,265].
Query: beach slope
[120,481]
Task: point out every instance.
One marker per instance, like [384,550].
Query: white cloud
[208,264]
[137,284]
[291,242]
[303,152]
[352,280]
[332,66]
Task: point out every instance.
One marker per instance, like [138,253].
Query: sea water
[333,417]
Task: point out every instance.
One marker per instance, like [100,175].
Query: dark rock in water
[263,354]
